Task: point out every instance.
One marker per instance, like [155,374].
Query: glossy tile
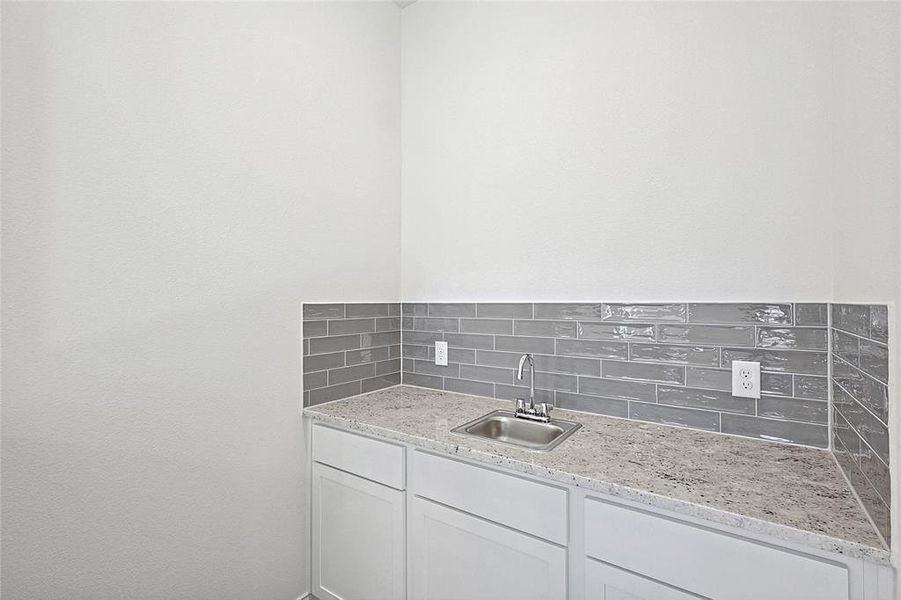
[422,380]
[320,362]
[812,388]
[616,331]
[435,324]
[593,348]
[334,392]
[429,367]
[452,310]
[874,359]
[345,374]
[559,329]
[671,415]
[414,309]
[868,427]
[386,338]
[504,310]
[683,355]
[809,313]
[592,404]
[371,310]
[535,345]
[469,340]
[315,329]
[846,346]
[879,323]
[740,313]
[387,324]
[774,430]
[567,364]
[854,318]
[489,326]
[792,338]
[708,399]
[315,380]
[643,312]
[624,390]
[366,355]
[573,310]
[804,362]
[643,372]
[794,409]
[489,374]
[512,392]
[714,335]
[463,386]
[323,311]
[379,382]
[346,326]
[387,367]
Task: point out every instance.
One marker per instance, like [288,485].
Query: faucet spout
[522,361]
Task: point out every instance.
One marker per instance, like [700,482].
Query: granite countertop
[791,493]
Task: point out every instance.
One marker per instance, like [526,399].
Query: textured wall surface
[666,363]
[860,392]
[349,349]
[176,178]
[632,151]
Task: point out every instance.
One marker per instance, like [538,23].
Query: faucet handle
[520,405]
[544,409]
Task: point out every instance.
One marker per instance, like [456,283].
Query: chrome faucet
[540,412]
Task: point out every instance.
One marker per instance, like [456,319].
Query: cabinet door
[358,538]
[603,582]
[456,556]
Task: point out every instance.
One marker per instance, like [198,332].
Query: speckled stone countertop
[787,492]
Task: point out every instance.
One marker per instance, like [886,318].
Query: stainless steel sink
[502,426]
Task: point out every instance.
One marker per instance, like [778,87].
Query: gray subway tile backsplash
[613,369]
[740,313]
[776,430]
[593,348]
[553,329]
[860,405]
[683,355]
[643,312]
[673,415]
[490,326]
[792,338]
[720,335]
[812,313]
[502,310]
[616,331]
[350,349]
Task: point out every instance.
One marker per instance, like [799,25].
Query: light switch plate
[441,353]
[745,379]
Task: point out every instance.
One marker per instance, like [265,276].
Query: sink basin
[502,426]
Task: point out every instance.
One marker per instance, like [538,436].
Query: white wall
[601,150]
[176,179]
[867,181]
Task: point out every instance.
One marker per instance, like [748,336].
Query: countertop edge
[650,499]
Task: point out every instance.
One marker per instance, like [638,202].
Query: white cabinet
[358,538]
[603,582]
[457,556]
[706,562]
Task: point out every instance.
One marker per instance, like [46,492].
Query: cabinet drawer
[706,562]
[363,456]
[512,501]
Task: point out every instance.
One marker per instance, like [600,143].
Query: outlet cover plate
[441,353]
[745,379]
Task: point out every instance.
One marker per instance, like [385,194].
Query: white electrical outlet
[745,379]
[441,353]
